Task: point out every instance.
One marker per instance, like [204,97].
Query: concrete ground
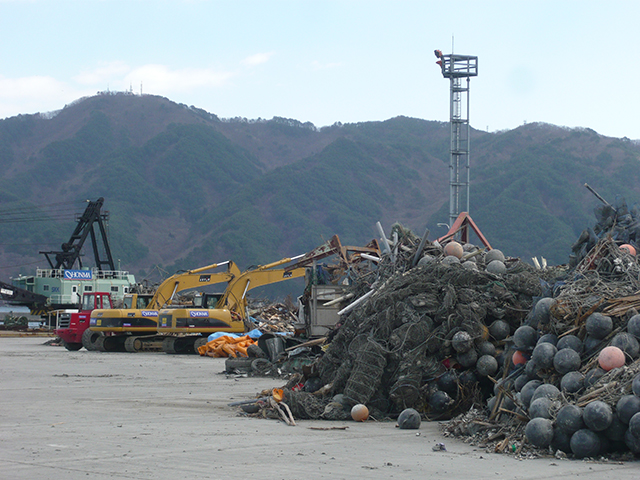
[72,415]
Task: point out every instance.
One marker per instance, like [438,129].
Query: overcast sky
[568,63]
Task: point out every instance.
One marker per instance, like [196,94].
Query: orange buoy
[454,249]
[611,357]
[518,358]
[630,249]
[359,412]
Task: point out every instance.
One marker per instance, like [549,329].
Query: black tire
[72,347]
[239,364]
[89,339]
[200,342]
[261,366]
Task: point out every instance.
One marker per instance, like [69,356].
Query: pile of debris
[519,358]
[273,317]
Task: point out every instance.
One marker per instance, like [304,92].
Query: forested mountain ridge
[185,188]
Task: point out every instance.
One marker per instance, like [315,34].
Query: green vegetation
[207,183]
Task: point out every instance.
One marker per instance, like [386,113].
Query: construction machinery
[72,324]
[135,327]
[186,329]
[63,284]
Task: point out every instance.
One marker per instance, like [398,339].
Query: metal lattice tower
[458,68]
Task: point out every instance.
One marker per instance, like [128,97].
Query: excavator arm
[199,277]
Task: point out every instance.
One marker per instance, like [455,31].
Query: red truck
[72,324]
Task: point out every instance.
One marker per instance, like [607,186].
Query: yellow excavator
[187,328]
[135,327]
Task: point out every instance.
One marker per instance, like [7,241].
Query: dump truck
[135,327]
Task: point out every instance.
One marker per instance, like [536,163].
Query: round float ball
[635,385]
[611,357]
[519,358]
[632,442]
[633,326]
[491,403]
[496,267]
[630,249]
[570,341]
[409,419]
[597,416]
[499,330]
[591,344]
[454,249]
[615,432]
[462,342]
[627,407]
[492,255]
[470,266]
[525,338]
[313,384]
[566,360]
[543,354]
[520,382]
[531,369]
[450,260]
[585,443]
[572,382]
[599,325]
[569,419]
[548,338]
[467,359]
[487,348]
[546,390]
[448,382]
[426,260]
[439,401]
[592,376]
[468,378]
[543,309]
[540,408]
[561,440]
[359,412]
[539,432]
[627,343]
[634,425]
[528,390]
[487,365]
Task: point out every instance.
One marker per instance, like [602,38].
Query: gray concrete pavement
[72,415]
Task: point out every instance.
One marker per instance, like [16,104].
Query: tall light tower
[457,68]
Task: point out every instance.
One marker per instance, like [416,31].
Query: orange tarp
[227,347]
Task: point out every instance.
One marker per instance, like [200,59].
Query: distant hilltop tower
[456,68]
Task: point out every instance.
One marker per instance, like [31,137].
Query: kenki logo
[77,274]
[198,313]
[147,313]
[205,278]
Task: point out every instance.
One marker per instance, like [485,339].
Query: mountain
[185,188]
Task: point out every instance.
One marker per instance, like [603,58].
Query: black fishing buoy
[540,408]
[570,341]
[528,390]
[543,354]
[585,443]
[597,416]
[487,365]
[599,325]
[572,382]
[627,343]
[569,419]
[627,407]
[409,419]
[525,338]
[566,360]
[462,342]
[539,432]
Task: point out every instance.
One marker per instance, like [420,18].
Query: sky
[567,63]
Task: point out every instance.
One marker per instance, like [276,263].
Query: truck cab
[71,325]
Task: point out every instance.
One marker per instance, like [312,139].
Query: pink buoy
[611,357]
[518,358]
[453,248]
[630,249]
